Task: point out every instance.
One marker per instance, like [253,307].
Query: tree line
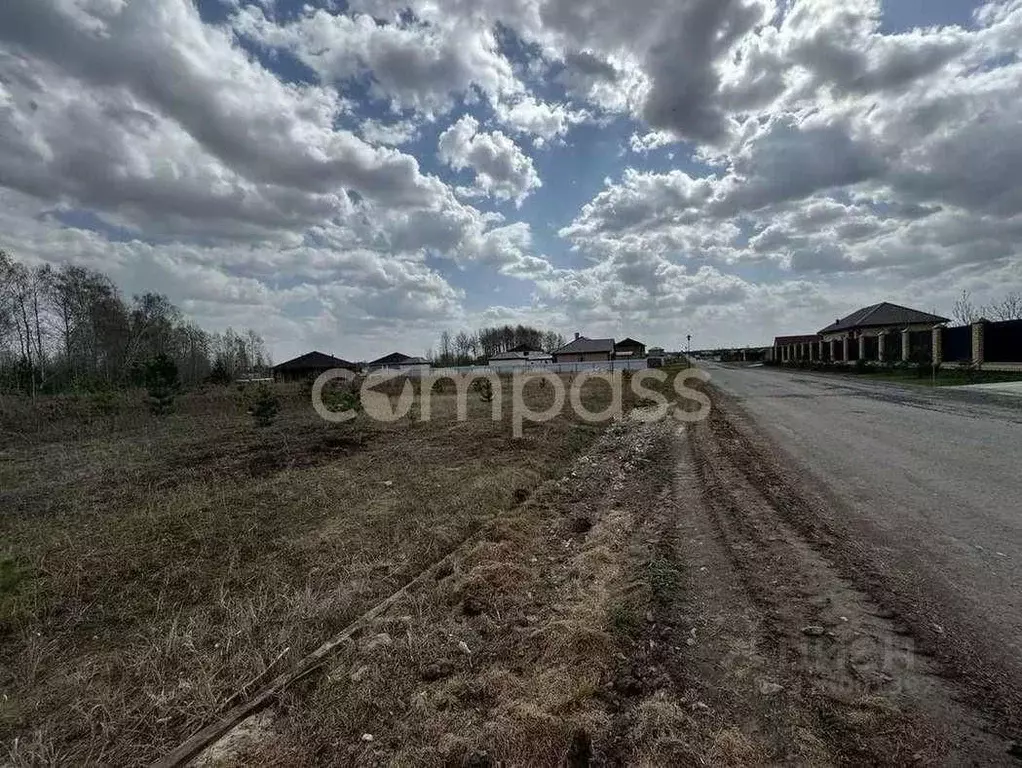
[468,347]
[965,311]
[70,329]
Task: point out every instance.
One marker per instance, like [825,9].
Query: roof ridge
[871,310]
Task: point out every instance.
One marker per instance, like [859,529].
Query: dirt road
[873,513]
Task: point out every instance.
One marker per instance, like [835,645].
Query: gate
[957,343]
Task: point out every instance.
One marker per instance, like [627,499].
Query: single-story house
[629,349]
[585,350]
[879,318]
[520,357]
[309,365]
[881,331]
[398,361]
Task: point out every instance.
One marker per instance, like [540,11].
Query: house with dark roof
[585,350]
[882,316]
[309,365]
[397,360]
[629,349]
[881,332]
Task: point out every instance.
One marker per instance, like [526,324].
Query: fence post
[977,343]
[937,345]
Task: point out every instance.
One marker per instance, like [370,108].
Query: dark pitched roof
[883,313]
[781,341]
[525,348]
[313,360]
[394,358]
[582,345]
[629,342]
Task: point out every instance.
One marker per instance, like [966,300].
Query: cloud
[541,120]
[394,134]
[415,66]
[161,55]
[501,169]
[266,167]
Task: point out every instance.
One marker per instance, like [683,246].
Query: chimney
[576,335]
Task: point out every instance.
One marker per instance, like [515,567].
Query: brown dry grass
[506,657]
[150,569]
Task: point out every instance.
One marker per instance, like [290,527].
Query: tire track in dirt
[791,659]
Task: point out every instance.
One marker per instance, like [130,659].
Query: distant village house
[309,365]
[399,362]
[629,349]
[585,350]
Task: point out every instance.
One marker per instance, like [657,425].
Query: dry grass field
[152,569]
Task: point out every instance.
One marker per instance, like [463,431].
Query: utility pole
[688,338]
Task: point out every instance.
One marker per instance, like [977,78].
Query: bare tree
[446,349]
[1008,308]
[67,328]
[552,341]
[963,310]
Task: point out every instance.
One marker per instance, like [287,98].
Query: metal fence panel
[602,365]
[1002,342]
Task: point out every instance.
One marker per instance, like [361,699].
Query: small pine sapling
[161,384]
[265,406]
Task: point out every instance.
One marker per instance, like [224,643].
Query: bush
[219,375]
[105,401]
[485,389]
[339,395]
[265,406]
[162,384]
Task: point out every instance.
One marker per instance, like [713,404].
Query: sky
[356,177]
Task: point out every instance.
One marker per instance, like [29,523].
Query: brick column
[977,342]
[844,349]
[905,346]
[937,345]
[882,347]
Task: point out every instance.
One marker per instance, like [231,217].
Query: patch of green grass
[664,578]
[11,576]
[945,377]
[624,619]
